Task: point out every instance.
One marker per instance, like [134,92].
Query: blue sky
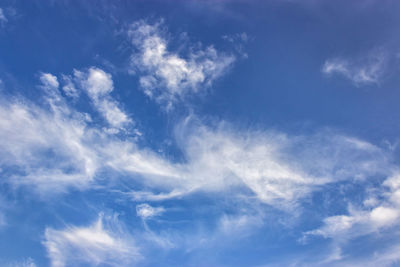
[199,133]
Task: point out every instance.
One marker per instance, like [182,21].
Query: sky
[199,133]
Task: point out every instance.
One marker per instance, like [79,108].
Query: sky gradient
[199,133]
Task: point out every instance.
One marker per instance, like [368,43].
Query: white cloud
[372,219]
[56,148]
[96,82]
[69,87]
[374,216]
[98,85]
[165,75]
[361,72]
[384,216]
[279,169]
[103,243]
[48,148]
[49,80]
[145,211]
[53,148]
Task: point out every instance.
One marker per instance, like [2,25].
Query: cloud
[3,18]
[49,81]
[238,41]
[98,85]
[167,76]
[53,147]
[58,147]
[48,148]
[103,243]
[29,262]
[361,72]
[145,211]
[279,169]
[372,218]
[69,87]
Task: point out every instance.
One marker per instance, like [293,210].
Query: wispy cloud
[103,243]
[55,146]
[366,71]
[98,85]
[49,81]
[29,262]
[145,211]
[69,87]
[166,75]
[376,215]
[47,145]
[270,164]
[3,18]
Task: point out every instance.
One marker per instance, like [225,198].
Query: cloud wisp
[98,85]
[269,164]
[368,71]
[103,242]
[3,18]
[54,146]
[167,76]
[377,215]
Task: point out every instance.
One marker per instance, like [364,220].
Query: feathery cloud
[3,18]
[99,243]
[98,85]
[362,72]
[167,76]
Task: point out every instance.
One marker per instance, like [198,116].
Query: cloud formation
[360,72]
[377,215]
[145,211]
[167,76]
[98,85]
[54,146]
[101,243]
[277,168]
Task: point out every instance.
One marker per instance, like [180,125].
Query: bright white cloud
[145,211]
[102,243]
[49,80]
[375,217]
[48,147]
[58,147]
[167,76]
[278,169]
[98,85]
[364,72]
[55,147]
